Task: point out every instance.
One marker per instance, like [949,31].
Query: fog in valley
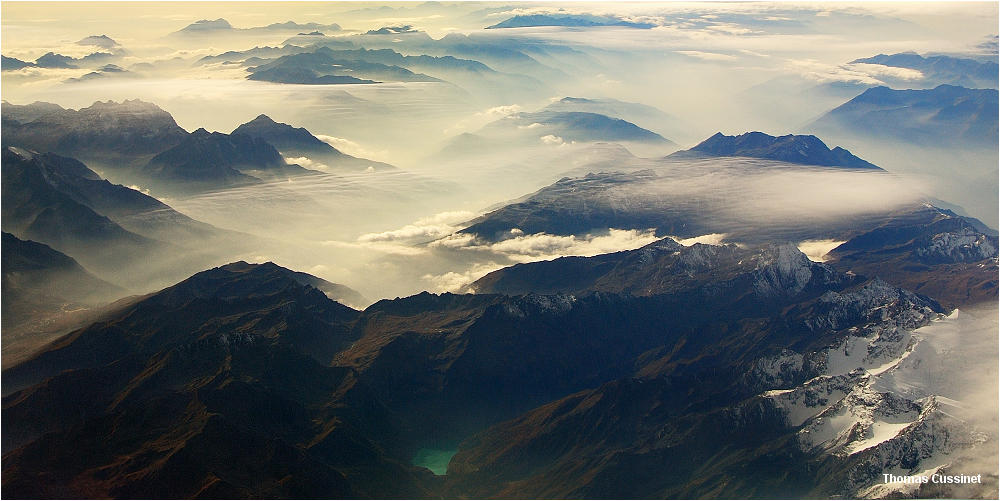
[759,238]
[737,68]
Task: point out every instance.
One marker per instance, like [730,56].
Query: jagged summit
[102,41]
[284,137]
[799,149]
[206,25]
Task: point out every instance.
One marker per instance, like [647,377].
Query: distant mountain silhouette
[39,280]
[326,66]
[38,206]
[297,142]
[568,20]
[942,69]
[126,133]
[12,64]
[807,150]
[941,116]
[207,160]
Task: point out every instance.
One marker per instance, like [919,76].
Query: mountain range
[567,20]
[552,128]
[216,27]
[709,189]
[138,143]
[245,368]
[945,114]
[206,160]
[323,67]
[754,316]
[295,142]
[942,69]
[130,132]
[44,293]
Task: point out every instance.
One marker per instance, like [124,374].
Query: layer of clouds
[459,282]
[307,162]
[433,227]
[710,239]
[481,118]
[707,56]
[351,148]
[523,248]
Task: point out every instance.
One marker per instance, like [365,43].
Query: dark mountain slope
[33,208]
[38,280]
[931,251]
[943,115]
[133,210]
[298,142]
[210,160]
[106,133]
[216,387]
[44,293]
[693,421]
[472,360]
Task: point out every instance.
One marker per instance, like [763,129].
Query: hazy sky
[712,66]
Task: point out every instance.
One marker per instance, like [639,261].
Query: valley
[474,250]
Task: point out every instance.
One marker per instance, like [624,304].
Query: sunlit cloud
[459,282]
[432,227]
[816,250]
[351,148]
[881,70]
[541,246]
[707,56]
[482,118]
[307,163]
[551,139]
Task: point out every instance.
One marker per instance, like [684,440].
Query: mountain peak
[102,41]
[800,149]
[126,106]
[283,136]
[262,119]
[206,25]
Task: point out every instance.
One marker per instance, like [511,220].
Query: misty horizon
[485,250]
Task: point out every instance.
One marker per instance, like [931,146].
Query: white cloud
[501,111]
[881,70]
[351,148]
[550,139]
[731,29]
[459,282]
[707,56]
[482,118]
[307,163]
[541,246]
[816,250]
[710,239]
[431,227]
[449,217]
[825,72]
